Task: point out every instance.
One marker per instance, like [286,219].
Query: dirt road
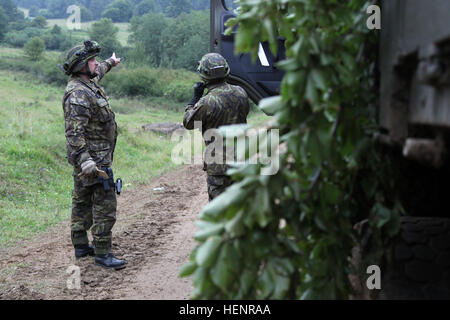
[154,233]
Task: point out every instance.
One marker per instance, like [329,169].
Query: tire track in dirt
[154,233]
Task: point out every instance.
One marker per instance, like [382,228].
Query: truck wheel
[419,267]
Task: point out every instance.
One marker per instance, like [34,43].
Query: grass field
[35,177]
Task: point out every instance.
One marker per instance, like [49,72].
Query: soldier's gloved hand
[88,167]
[199,88]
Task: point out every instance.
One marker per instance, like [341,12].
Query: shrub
[86,14]
[34,11]
[136,82]
[35,48]
[15,39]
[118,11]
[179,91]
[39,22]
[57,39]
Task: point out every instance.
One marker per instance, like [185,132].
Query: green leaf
[319,223]
[313,42]
[288,65]
[230,197]
[188,269]
[297,47]
[271,32]
[213,230]
[307,295]
[199,278]
[331,193]
[281,287]
[325,59]
[235,227]
[246,281]
[266,283]
[311,91]
[221,274]
[383,215]
[319,79]
[271,105]
[349,61]
[262,209]
[207,252]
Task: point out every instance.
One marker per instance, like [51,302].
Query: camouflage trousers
[94,207]
[217,185]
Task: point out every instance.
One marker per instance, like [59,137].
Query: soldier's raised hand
[115,59]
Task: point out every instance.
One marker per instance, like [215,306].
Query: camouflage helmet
[78,56]
[213,66]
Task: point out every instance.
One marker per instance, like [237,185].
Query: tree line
[116,10]
[156,39]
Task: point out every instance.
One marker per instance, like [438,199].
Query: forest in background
[117,10]
[157,38]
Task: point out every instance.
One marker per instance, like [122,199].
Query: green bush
[52,73]
[39,22]
[118,11]
[179,91]
[86,14]
[47,71]
[34,11]
[134,82]
[19,37]
[15,39]
[34,48]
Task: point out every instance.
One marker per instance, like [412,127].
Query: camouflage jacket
[223,104]
[90,126]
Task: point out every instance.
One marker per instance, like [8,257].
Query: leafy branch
[289,235]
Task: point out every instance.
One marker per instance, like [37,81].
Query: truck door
[260,79]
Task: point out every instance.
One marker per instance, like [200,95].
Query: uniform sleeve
[76,122]
[194,113]
[245,108]
[104,68]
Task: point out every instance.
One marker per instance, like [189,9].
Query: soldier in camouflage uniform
[91,135]
[223,104]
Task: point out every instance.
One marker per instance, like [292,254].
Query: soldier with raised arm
[91,135]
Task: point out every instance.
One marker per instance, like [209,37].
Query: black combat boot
[83,250]
[108,261]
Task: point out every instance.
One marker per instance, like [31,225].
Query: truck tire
[419,267]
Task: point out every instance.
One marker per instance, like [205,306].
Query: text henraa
[227,309]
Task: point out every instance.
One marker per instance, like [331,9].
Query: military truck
[413,114]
